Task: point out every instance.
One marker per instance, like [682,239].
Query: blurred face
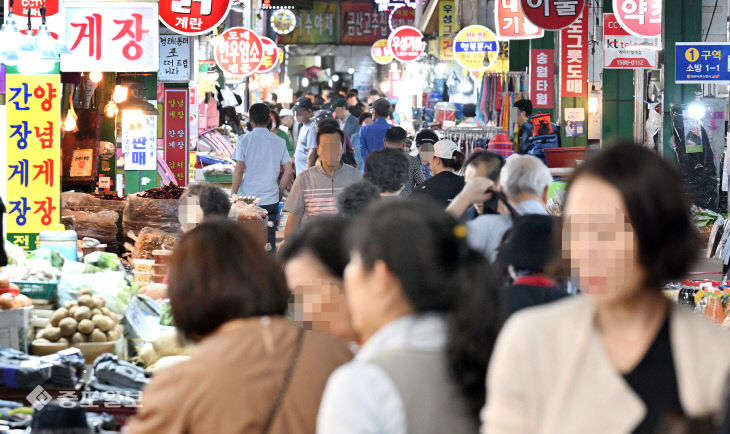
[600,242]
[189,213]
[320,302]
[341,113]
[476,171]
[274,125]
[303,115]
[329,149]
[287,121]
[521,117]
[352,100]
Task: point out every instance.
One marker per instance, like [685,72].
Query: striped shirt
[315,191]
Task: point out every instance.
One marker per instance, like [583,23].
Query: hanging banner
[239,52]
[552,14]
[380,52]
[111,37]
[542,78]
[475,48]
[33,156]
[175,59]
[574,58]
[139,141]
[175,130]
[511,22]
[283,21]
[622,50]
[318,25]
[193,17]
[403,15]
[642,18]
[362,24]
[575,122]
[446,49]
[270,56]
[406,44]
[702,62]
[447,17]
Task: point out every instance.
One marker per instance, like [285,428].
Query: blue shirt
[264,153]
[372,137]
[307,140]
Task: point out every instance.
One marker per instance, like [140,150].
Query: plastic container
[714,310]
[564,157]
[62,241]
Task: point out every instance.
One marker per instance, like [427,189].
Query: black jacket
[530,291]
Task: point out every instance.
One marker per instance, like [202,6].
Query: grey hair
[524,174]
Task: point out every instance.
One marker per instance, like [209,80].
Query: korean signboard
[117,37]
[574,58]
[702,62]
[623,50]
[54,15]
[82,163]
[193,17]
[447,17]
[239,51]
[362,23]
[33,156]
[446,49]
[402,16]
[552,14]
[175,130]
[175,59]
[475,48]
[511,22]
[318,25]
[270,56]
[380,52]
[139,140]
[642,18]
[406,43]
[542,78]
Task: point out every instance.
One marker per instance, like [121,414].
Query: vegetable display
[86,319]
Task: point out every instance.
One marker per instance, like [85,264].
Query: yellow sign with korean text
[475,48]
[33,156]
[447,17]
[501,65]
[446,49]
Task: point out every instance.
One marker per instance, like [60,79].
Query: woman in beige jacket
[621,358]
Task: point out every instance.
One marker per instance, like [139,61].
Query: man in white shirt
[307,139]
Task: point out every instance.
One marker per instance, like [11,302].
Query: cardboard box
[91,350]
[15,330]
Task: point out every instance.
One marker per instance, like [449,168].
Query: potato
[4,281]
[52,334]
[86,326]
[78,338]
[103,322]
[62,341]
[82,312]
[96,311]
[97,336]
[106,311]
[39,334]
[58,316]
[68,326]
[84,291]
[99,301]
[114,334]
[72,311]
[41,341]
[86,300]
[6,300]
[70,304]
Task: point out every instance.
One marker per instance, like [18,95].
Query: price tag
[105,182]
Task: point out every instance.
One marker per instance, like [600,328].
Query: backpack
[545,135]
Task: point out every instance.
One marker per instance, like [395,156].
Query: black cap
[304,103]
[531,245]
[426,136]
[342,102]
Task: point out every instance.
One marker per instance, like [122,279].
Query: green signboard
[318,25]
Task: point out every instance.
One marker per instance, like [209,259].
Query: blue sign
[475,47]
[702,62]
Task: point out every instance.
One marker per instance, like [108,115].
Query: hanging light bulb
[350,71]
[111,110]
[9,39]
[335,78]
[70,123]
[385,86]
[593,100]
[96,76]
[305,82]
[120,94]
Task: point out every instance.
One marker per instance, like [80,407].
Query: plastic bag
[253,218]
[140,213]
[78,201]
[98,225]
[149,240]
[113,286]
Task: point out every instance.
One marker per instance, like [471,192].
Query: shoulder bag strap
[285,385]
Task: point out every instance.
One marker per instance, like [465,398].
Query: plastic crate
[219,178]
[38,290]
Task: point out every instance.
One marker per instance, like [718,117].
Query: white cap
[286,112]
[445,149]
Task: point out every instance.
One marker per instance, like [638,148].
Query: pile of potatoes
[85,320]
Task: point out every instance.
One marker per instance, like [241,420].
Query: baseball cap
[286,112]
[342,102]
[426,136]
[304,103]
[445,149]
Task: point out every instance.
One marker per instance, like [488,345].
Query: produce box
[91,350]
[15,330]
[38,290]
[220,178]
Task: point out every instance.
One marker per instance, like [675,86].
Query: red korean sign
[640,17]
[511,22]
[542,78]
[552,14]
[270,57]
[406,43]
[362,23]
[176,133]
[574,58]
[402,16]
[193,17]
[116,37]
[239,51]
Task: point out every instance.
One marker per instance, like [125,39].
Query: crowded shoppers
[291,127]
[276,129]
[445,184]
[253,370]
[425,139]
[349,123]
[372,136]
[314,260]
[387,169]
[621,357]
[260,155]
[307,134]
[470,116]
[481,164]
[315,190]
[356,197]
[427,311]
[523,107]
[202,200]
[364,119]
[525,182]
[396,137]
